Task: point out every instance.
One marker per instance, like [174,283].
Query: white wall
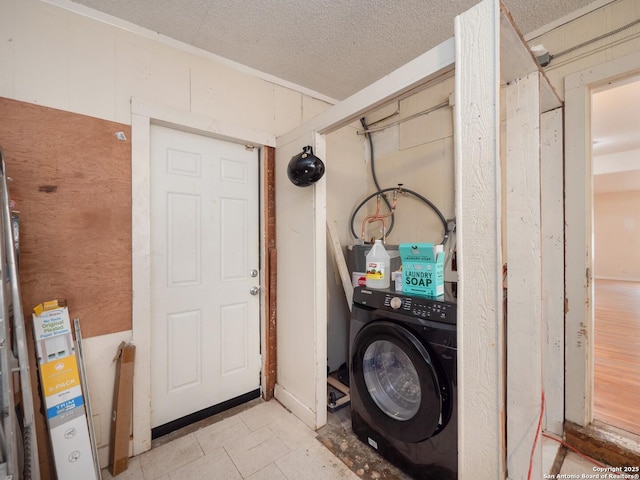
[101,373]
[302,331]
[346,185]
[417,153]
[616,229]
[59,59]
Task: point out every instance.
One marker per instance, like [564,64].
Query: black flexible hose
[403,190]
[363,122]
[380,191]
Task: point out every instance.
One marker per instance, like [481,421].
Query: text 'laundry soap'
[378,267]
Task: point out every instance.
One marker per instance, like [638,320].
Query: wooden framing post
[524,277]
[270,273]
[552,247]
[481,439]
[490,53]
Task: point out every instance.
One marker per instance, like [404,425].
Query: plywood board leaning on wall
[71,180]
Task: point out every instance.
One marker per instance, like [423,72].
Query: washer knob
[395,303]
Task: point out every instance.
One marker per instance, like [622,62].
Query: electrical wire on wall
[548,61]
[382,191]
[588,42]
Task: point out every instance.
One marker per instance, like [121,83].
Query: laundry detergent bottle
[378,267]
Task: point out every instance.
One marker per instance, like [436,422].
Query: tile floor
[263,441]
[576,465]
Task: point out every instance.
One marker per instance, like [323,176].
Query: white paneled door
[205,328]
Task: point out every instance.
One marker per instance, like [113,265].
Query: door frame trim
[270,277]
[143,115]
[579,317]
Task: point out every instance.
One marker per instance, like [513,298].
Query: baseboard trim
[616,279]
[293,404]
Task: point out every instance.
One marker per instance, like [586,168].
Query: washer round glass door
[396,382]
[391,380]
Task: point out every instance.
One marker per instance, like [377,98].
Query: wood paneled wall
[71,179]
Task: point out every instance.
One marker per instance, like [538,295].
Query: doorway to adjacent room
[616,264]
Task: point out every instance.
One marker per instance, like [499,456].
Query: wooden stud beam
[271,271]
[481,436]
[338,256]
[524,277]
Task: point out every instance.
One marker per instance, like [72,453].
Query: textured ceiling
[333,47]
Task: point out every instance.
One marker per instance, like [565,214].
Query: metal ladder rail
[31,467]
[9,440]
[9,468]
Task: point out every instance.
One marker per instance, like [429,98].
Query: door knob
[254,290]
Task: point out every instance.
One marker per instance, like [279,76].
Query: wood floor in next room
[617,354]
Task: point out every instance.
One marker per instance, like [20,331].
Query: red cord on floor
[564,444]
[535,440]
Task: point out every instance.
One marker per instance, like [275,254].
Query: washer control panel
[395,303]
[439,309]
[422,307]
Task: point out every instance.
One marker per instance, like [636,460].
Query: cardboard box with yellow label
[62,391]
